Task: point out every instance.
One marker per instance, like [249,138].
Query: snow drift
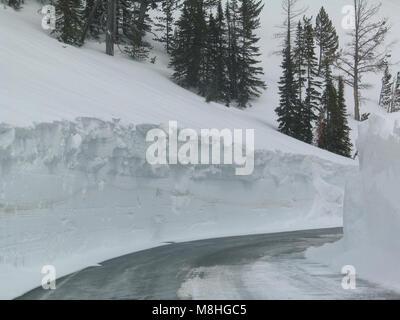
[73,194]
[371,240]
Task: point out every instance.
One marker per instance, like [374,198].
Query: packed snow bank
[73,194]
[371,240]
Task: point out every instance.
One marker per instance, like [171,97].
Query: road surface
[270,266]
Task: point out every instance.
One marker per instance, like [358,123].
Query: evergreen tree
[300,79]
[395,105]
[97,23]
[249,83]
[338,131]
[287,90]
[335,130]
[16,4]
[134,27]
[312,98]
[328,102]
[187,56]
[165,23]
[326,38]
[233,48]
[299,61]
[385,99]
[217,84]
[69,21]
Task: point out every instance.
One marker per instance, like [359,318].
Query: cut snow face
[371,209]
[73,194]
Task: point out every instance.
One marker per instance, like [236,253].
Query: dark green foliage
[326,38]
[187,56]
[287,91]
[395,105]
[132,28]
[165,23]
[335,129]
[218,56]
[217,86]
[386,97]
[97,26]
[249,84]
[69,21]
[16,4]
[312,96]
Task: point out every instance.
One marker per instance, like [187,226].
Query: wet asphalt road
[159,273]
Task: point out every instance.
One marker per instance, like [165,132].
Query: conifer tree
[328,102]
[326,38]
[217,86]
[134,27]
[385,99]
[299,61]
[395,105]
[287,86]
[165,23]
[249,71]
[94,17]
[187,56]
[335,132]
[16,4]
[312,97]
[233,48]
[337,129]
[69,21]
[299,78]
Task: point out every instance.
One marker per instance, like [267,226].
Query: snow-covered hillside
[75,188]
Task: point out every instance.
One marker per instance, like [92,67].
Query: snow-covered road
[270,266]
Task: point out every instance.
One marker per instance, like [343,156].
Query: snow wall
[73,194]
[371,240]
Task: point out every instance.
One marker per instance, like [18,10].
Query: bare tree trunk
[357,116]
[111,25]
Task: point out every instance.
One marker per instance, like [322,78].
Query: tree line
[214,51]
[213,48]
[312,104]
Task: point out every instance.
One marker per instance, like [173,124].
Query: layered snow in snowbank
[73,194]
[371,241]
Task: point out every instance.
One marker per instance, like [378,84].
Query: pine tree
[217,86]
[249,71]
[187,56]
[385,99]
[69,21]
[339,142]
[326,38]
[328,102]
[299,61]
[233,48]
[134,27]
[165,23]
[95,12]
[16,4]
[335,133]
[395,105]
[299,76]
[287,90]
[312,98]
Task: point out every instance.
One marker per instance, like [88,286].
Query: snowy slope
[75,188]
[43,80]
